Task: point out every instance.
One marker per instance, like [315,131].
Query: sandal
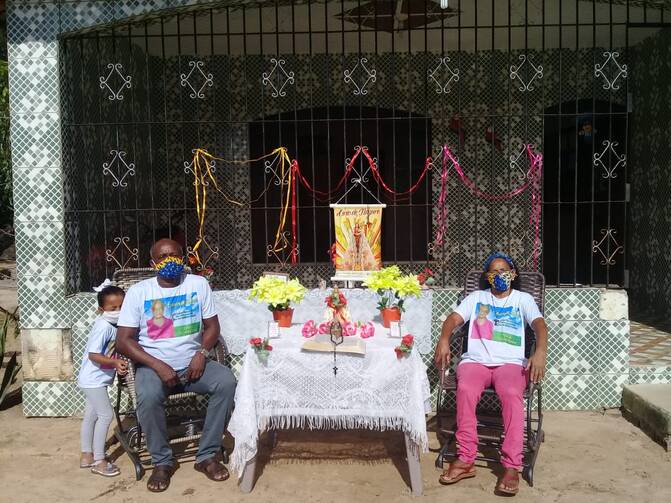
[159,480]
[509,483]
[105,468]
[83,464]
[457,472]
[213,469]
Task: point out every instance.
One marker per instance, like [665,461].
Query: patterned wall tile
[30,21]
[573,347]
[61,398]
[572,303]
[572,392]
[33,85]
[36,140]
[649,375]
[131,8]
[611,389]
[614,347]
[78,15]
[42,301]
[38,195]
[82,309]
[39,247]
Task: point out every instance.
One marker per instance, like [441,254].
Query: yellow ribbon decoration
[202,157]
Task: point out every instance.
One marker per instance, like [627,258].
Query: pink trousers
[509,381]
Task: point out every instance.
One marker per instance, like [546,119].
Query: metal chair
[185,411]
[490,425]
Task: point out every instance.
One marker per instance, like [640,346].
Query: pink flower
[367,330]
[399,353]
[309,329]
[324,328]
[349,328]
[407,340]
[268,347]
[256,341]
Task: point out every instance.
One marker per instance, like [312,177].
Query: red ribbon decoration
[294,205]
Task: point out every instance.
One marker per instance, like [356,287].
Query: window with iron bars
[404,79]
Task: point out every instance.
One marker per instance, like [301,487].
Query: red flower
[428,271]
[421,278]
[268,347]
[399,353]
[407,340]
[256,341]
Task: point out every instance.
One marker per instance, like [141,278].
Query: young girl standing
[95,375]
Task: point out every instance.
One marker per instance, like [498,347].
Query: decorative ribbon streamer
[202,172]
[534,183]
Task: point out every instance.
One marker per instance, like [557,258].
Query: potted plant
[393,288]
[278,293]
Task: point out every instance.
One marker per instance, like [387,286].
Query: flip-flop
[160,473]
[204,465]
[106,469]
[467,472]
[508,476]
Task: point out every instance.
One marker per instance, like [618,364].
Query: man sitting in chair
[175,361]
[495,357]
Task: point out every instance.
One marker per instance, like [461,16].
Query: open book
[322,343]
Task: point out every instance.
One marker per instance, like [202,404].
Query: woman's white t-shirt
[496,328]
[101,341]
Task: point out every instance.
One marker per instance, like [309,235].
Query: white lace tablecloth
[241,319]
[298,389]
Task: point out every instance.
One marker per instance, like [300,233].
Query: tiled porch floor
[649,346]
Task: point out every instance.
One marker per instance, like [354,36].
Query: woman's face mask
[501,281]
[111,316]
[170,267]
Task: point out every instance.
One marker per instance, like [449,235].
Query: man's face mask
[501,281]
[170,267]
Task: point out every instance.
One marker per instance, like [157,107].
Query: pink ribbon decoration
[349,329]
[309,329]
[534,180]
[367,330]
[325,328]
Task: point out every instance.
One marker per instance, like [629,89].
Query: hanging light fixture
[443,4]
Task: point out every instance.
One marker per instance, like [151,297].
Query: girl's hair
[108,291]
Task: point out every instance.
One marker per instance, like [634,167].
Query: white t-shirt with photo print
[496,328]
[169,319]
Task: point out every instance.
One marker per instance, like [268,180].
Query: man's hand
[166,373]
[443,353]
[536,366]
[196,367]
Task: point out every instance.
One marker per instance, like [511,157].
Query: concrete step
[648,406]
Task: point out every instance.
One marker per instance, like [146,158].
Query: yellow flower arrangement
[277,293]
[392,286]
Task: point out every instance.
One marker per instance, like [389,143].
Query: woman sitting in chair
[495,357]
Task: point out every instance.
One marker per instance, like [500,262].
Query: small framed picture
[395,329]
[281,275]
[273,330]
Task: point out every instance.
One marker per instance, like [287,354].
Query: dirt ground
[587,457]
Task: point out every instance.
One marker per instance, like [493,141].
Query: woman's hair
[484,284]
[157,302]
[108,291]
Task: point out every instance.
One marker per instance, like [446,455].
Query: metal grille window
[402,78]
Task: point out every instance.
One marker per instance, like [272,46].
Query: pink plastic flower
[309,329]
[349,328]
[367,330]
[324,328]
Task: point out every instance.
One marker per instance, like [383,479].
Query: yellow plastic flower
[276,292]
